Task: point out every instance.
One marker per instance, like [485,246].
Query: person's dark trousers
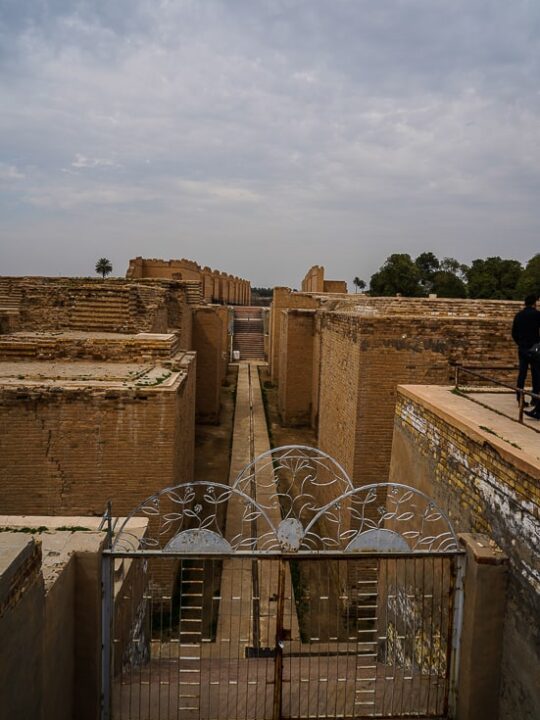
[524,364]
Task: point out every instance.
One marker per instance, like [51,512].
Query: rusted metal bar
[514,388]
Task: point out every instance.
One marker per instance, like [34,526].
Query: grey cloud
[329,132]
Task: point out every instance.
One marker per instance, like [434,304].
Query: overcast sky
[261,137]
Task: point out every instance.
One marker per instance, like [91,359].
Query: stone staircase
[249,333]
[10,295]
[194,292]
[102,311]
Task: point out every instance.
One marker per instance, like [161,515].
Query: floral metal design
[291,499]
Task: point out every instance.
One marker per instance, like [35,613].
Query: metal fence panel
[256,638]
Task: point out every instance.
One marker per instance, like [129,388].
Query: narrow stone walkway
[248,587]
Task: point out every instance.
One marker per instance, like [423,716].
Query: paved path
[247,606]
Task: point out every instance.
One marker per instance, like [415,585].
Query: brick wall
[363,359]
[314,279]
[210,341]
[67,451]
[284,299]
[22,606]
[215,285]
[335,286]
[485,485]
[296,366]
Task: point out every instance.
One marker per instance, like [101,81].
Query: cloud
[81,161]
[329,133]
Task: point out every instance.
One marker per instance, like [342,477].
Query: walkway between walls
[247,612]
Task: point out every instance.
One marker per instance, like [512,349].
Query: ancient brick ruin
[109,391]
[216,286]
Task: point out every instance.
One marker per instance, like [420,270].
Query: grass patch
[492,432]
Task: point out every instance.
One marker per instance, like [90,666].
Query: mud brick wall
[485,486]
[435,307]
[314,279]
[215,285]
[85,304]
[67,452]
[335,286]
[296,366]
[284,299]
[210,341]
[22,607]
[363,359]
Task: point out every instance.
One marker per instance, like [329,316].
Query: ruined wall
[210,341]
[296,366]
[363,359]
[68,451]
[485,485]
[283,299]
[314,282]
[314,279]
[22,604]
[216,286]
[335,286]
[99,305]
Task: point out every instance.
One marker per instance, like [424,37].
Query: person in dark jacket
[526,333]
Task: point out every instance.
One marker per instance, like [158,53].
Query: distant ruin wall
[314,282]
[483,488]
[335,286]
[216,286]
[68,451]
[314,279]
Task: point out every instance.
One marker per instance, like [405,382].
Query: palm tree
[358,284]
[104,266]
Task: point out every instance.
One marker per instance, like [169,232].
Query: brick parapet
[485,484]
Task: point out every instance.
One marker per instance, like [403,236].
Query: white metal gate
[290,594]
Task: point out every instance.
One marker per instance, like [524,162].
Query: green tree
[104,267]
[399,274]
[448,285]
[454,266]
[427,264]
[529,282]
[494,278]
[358,284]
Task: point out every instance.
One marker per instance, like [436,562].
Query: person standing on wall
[526,334]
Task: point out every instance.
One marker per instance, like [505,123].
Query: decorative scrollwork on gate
[290,499]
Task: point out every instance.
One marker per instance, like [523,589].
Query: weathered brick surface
[216,286]
[296,366]
[483,489]
[363,359]
[284,299]
[314,282]
[22,607]
[210,341]
[68,450]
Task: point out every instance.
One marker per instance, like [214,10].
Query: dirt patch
[280,435]
[213,442]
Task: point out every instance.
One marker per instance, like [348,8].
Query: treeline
[491,278]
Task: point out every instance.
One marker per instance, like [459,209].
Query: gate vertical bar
[107,562]
[278,663]
[457,623]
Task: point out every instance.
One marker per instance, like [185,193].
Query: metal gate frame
[280,515]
